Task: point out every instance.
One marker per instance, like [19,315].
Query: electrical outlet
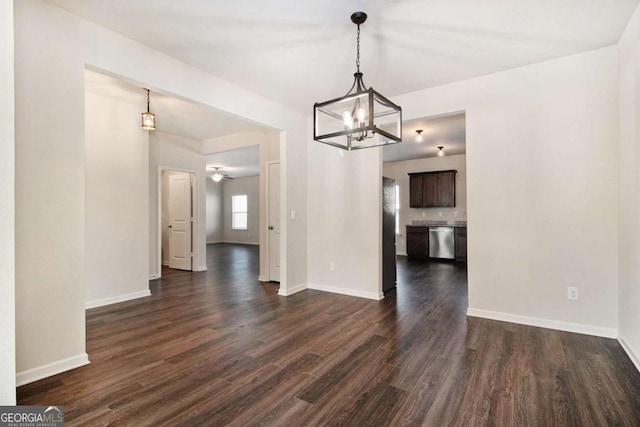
[440,213]
[456,214]
[572,293]
[424,214]
[332,266]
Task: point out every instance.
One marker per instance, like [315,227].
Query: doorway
[429,145]
[433,148]
[238,208]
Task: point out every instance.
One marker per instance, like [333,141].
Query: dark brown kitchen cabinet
[446,189]
[415,191]
[417,241]
[432,189]
[460,242]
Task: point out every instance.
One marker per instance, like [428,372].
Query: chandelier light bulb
[361,116]
[440,152]
[348,120]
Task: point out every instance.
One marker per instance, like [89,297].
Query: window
[239,212]
[397,209]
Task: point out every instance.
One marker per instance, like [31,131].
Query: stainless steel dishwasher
[441,243]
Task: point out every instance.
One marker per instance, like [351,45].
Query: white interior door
[180,221]
[273,175]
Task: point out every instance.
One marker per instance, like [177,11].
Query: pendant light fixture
[419,137]
[362,118]
[440,152]
[148,118]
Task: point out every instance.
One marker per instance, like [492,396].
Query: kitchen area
[430,174]
[435,239]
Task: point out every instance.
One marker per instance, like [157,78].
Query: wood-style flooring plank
[219,348]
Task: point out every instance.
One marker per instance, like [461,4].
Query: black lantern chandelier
[362,118]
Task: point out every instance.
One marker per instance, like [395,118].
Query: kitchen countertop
[439,223]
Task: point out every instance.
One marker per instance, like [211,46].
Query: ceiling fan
[216,176]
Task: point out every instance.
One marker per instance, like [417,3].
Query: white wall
[293,198]
[345,220]
[116,207]
[629,198]
[50,288]
[542,203]
[250,186]
[269,142]
[168,151]
[7,209]
[214,211]
[399,172]
[52,48]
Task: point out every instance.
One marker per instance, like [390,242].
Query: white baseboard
[634,358]
[40,372]
[292,290]
[235,242]
[346,291]
[214,242]
[544,323]
[401,253]
[154,276]
[165,263]
[201,268]
[262,279]
[116,299]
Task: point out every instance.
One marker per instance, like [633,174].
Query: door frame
[195,212]
[268,216]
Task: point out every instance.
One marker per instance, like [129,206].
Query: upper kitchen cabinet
[415,190]
[432,189]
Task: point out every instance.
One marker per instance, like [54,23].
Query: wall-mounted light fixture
[419,137]
[362,118]
[148,118]
[440,151]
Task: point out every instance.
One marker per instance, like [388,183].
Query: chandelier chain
[358,50]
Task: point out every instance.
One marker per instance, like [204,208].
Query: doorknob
[170,226]
[271,227]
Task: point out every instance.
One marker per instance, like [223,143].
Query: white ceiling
[300,52]
[236,163]
[447,131]
[184,118]
[173,115]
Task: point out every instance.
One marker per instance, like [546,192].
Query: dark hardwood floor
[218,348]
